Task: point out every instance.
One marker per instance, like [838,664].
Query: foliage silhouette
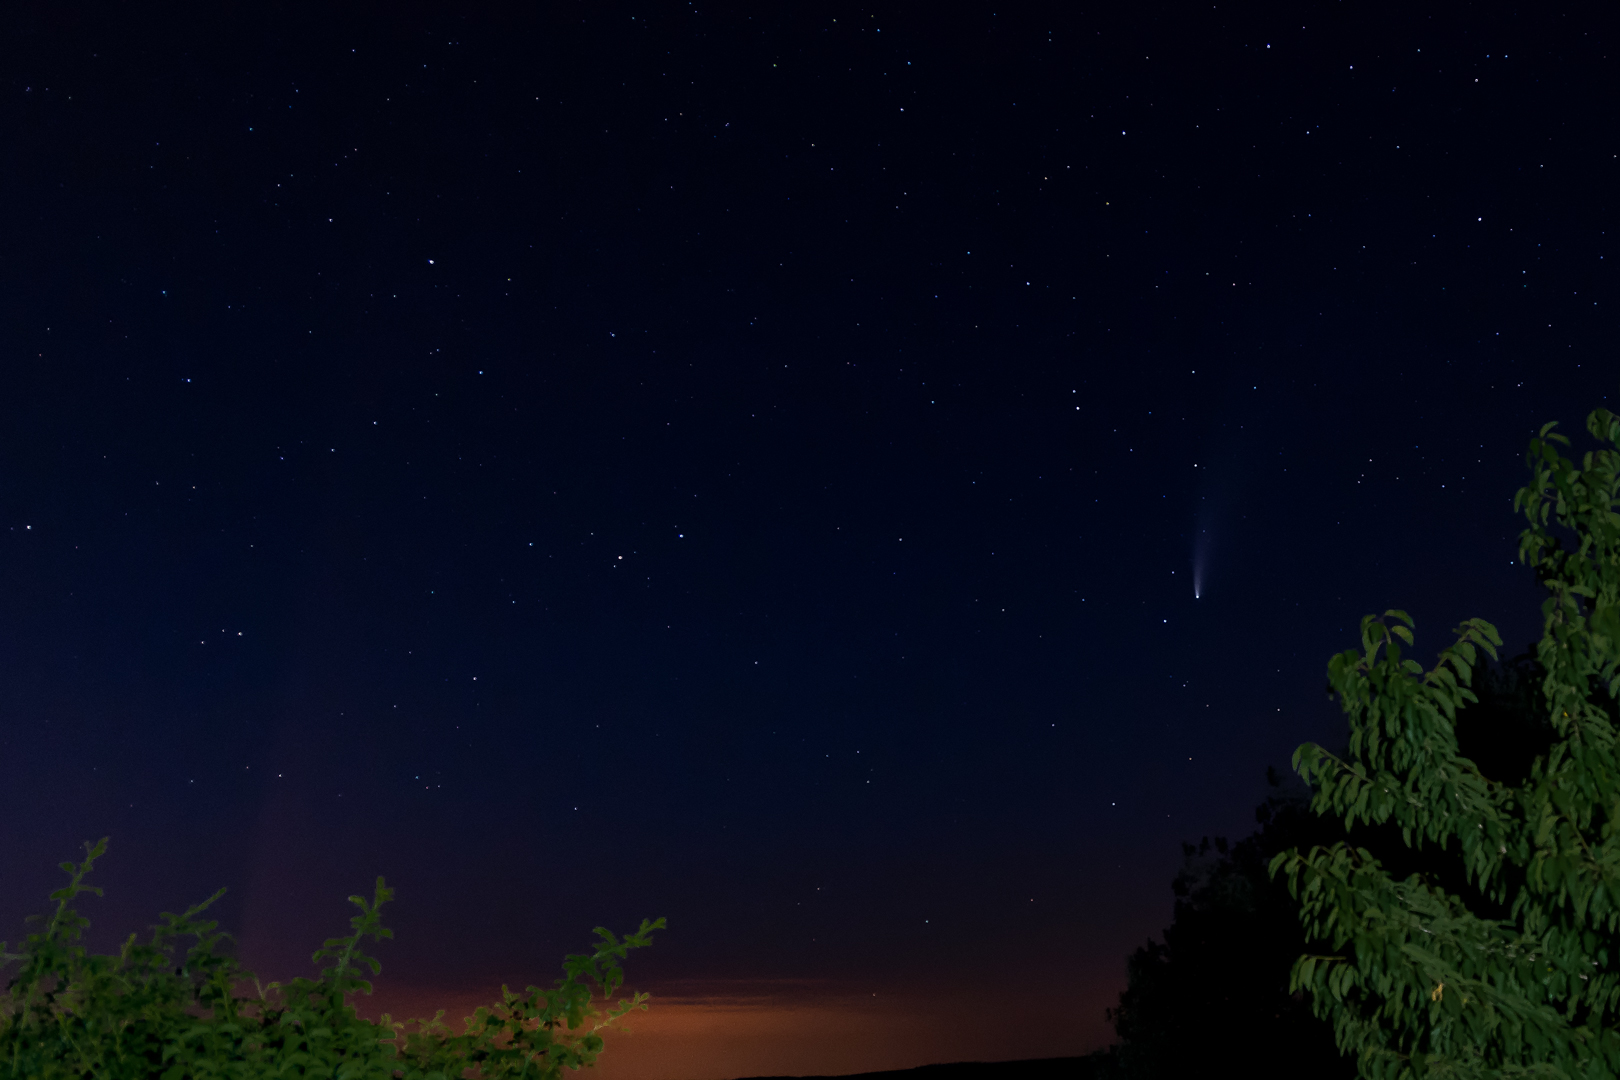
[151,1012]
[1489,949]
[1221,976]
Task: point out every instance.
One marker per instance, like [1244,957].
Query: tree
[146,1013]
[1222,975]
[1496,955]
[1218,984]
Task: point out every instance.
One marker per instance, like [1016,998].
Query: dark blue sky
[594,461]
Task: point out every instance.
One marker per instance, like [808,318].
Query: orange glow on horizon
[778,1030]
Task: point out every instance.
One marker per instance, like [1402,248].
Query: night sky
[864,483]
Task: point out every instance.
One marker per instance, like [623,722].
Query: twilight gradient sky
[753,465]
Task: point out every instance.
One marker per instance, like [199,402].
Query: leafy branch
[1429,985]
[146,1013]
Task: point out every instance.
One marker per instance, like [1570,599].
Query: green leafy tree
[1221,977]
[154,1012]
[1496,956]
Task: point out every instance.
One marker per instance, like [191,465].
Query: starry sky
[861,482]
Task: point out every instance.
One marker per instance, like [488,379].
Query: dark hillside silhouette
[1074,1068]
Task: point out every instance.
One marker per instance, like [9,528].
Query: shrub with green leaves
[153,1011]
[1499,957]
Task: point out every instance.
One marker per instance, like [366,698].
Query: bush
[153,1013]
